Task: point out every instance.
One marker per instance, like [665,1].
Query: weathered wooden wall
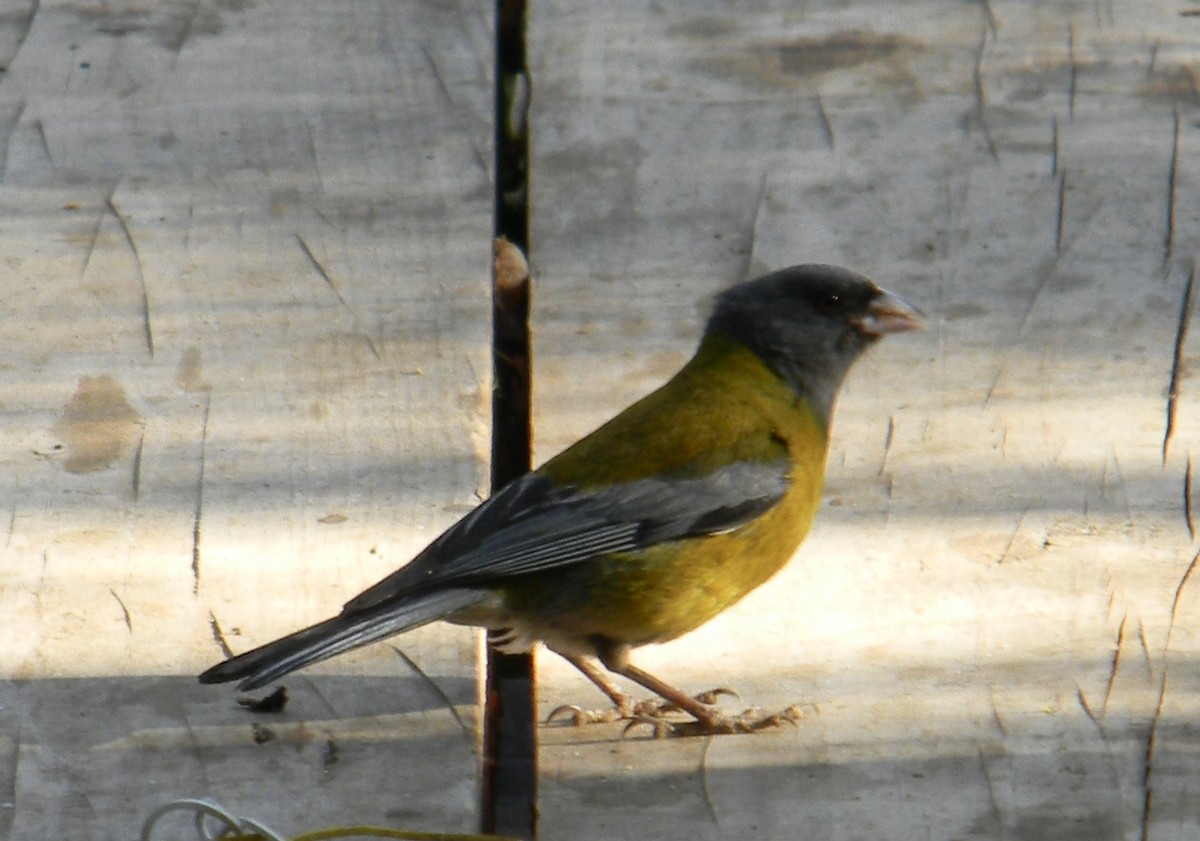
[245,251]
[993,627]
[246,371]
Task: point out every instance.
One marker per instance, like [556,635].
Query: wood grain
[246,373]
[992,628]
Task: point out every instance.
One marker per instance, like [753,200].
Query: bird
[654,523]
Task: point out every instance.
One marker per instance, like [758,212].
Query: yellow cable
[404,834]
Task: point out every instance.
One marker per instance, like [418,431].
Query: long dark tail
[334,636]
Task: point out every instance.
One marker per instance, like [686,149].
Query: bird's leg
[625,706]
[623,703]
[707,719]
[677,699]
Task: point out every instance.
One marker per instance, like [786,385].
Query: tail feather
[337,635]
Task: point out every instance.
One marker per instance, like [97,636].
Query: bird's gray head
[810,322]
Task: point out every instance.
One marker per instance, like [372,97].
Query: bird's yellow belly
[664,591]
[726,405]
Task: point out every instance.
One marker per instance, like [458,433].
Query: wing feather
[533,525]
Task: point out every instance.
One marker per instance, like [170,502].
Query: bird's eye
[829,302]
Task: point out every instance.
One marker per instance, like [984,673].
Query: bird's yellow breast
[726,405]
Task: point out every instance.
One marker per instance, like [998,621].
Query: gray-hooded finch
[654,523]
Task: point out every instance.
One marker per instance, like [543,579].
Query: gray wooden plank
[246,258]
[991,628]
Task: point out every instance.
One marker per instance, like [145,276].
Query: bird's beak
[890,313]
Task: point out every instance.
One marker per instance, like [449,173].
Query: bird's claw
[569,712]
[716,725]
[660,727]
[713,695]
[654,712]
[578,716]
[635,712]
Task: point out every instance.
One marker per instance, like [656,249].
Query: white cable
[205,808]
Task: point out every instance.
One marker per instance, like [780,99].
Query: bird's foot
[578,716]
[716,724]
[633,711]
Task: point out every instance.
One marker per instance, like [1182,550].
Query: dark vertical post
[509,734]
[511,127]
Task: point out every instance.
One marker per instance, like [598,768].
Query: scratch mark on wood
[987,397]
[315,688]
[1062,212]
[197,515]
[887,444]
[330,756]
[1181,329]
[320,270]
[12,525]
[1043,277]
[324,275]
[26,26]
[218,635]
[412,664]
[137,259]
[124,610]
[753,227]
[44,142]
[1073,77]
[1083,704]
[14,750]
[989,17]
[1054,146]
[826,125]
[1193,80]
[12,129]
[185,33]
[1120,484]
[1183,582]
[980,96]
[454,108]
[1152,64]
[1172,179]
[311,140]
[1118,646]
[996,713]
[1187,498]
[136,479]
[705,792]
[997,813]
[1145,645]
[195,750]
[1147,779]
[1012,537]
[1152,736]
[91,248]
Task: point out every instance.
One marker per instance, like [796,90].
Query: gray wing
[533,525]
[530,525]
